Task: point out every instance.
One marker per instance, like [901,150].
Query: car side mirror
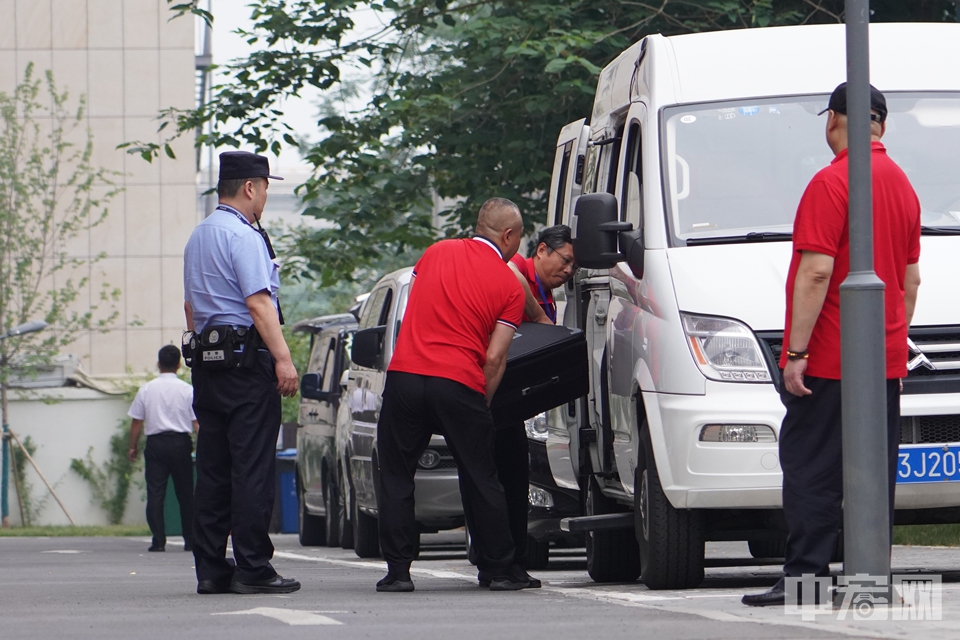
[596,235]
[367,350]
[311,387]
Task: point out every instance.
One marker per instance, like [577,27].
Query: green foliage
[110,483]
[56,531]
[928,535]
[467,98]
[31,509]
[50,191]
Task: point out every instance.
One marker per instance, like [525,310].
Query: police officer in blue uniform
[241,368]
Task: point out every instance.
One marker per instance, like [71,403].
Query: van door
[625,326]
[364,412]
[566,184]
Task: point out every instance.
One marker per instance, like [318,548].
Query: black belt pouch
[218,348]
[547,367]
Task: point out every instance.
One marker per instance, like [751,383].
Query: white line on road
[63,551]
[292,617]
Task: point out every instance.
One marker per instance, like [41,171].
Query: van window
[373,309]
[330,367]
[614,162]
[739,167]
[632,166]
[590,171]
[317,356]
[562,182]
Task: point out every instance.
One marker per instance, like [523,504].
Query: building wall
[130,61]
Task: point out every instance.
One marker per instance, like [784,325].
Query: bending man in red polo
[810,439]
[465,305]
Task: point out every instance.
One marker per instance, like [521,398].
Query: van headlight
[725,349]
[536,427]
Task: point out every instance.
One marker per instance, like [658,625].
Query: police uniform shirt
[164,404]
[226,261]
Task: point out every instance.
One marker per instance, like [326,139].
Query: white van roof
[754,63]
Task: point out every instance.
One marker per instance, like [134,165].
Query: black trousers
[414,407]
[166,455]
[239,415]
[511,454]
[811,457]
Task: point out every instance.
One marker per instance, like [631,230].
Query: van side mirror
[311,387]
[595,242]
[367,350]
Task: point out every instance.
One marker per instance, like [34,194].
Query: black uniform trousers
[415,407]
[511,454]
[239,415]
[167,454]
[811,456]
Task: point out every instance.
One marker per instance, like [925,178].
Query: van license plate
[929,464]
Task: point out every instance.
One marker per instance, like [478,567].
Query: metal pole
[866,520]
[4,501]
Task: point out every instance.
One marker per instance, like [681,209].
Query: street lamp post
[23,329]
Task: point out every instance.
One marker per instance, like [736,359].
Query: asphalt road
[104,588]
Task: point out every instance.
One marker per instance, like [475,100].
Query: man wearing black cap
[241,367]
[810,440]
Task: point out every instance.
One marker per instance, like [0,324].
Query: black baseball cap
[838,102]
[237,165]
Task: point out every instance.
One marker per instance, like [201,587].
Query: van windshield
[735,171]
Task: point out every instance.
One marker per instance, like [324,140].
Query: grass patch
[113,530]
[931,535]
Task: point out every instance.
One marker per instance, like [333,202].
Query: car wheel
[670,540]
[612,555]
[311,528]
[538,553]
[366,538]
[343,520]
[331,504]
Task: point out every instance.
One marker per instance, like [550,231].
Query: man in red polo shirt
[810,437]
[551,266]
[464,307]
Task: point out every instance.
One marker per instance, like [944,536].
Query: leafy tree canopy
[467,98]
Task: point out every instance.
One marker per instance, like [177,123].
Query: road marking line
[380,566]
[63,551]
[291,617]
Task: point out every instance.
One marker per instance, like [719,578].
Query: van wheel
[344,525]
[331,504]
[670,540]
[612,556]
[366,538]
[767,548]
[538,553]
[310,528]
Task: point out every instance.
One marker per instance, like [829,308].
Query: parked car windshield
[733,169]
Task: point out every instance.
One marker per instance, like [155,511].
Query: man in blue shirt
[240,370]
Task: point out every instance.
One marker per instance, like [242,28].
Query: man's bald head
[500,221]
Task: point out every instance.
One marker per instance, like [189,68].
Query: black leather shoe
[508,583]
[207,587]
[484,579]
[276,584]
[774,597]
[395,584]
[155,547]
[532,583]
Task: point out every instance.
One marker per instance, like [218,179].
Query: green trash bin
[171,506]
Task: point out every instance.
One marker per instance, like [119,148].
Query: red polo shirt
[822,226]
[463,288]
[525,265]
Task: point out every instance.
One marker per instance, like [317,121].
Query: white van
[702,145]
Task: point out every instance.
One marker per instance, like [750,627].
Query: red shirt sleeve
[512,314]
[821,218]
[913,255]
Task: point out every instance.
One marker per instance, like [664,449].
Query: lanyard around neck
[547,307]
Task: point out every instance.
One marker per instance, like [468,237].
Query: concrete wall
[79,418]
[130,61]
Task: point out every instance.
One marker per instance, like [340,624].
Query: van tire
[767,548]
[538,553]
[344,524]
[331,505]
[670,540]
[310,528]
[366,538]
[613,555]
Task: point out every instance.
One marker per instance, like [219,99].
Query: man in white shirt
[164,408]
